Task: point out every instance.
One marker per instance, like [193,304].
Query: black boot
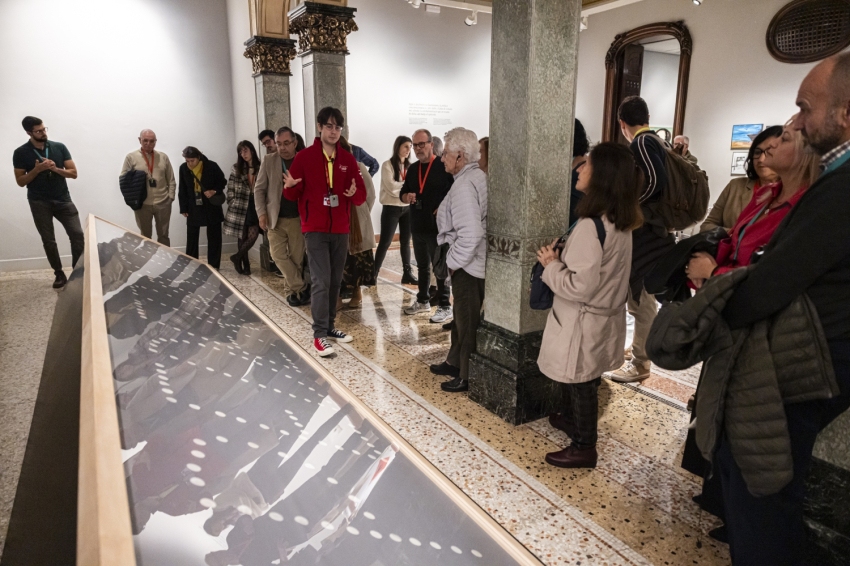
[237,263]
[246,265]
[408,278]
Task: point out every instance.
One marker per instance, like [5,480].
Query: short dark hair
[266,134]
[329,112]
[284,130]
[30,122]
[615,183]
[764,135]
[191,152]
[633,111]
[580,143]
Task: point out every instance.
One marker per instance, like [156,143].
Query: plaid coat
[238,198]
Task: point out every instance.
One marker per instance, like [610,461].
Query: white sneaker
[443,314]
[629,372]
[416,307]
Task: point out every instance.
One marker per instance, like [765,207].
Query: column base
[504,377]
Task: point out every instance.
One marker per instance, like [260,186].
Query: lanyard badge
[44,157]
[151,180]
[331,200]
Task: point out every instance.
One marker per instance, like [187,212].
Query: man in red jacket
[325,181]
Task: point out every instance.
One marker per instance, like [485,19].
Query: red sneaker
[323,347]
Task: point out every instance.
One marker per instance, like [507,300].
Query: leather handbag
[217,199]
[542,297]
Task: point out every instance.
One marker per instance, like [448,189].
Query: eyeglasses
[757,153]
[41,131]
[289,142]
[421,145]
[332,127]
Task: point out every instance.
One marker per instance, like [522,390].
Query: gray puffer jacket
[748,377]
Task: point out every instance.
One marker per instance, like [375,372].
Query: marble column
[532,105]
[270,58]
[322,45]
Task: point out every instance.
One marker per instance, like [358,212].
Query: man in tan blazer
[279,217]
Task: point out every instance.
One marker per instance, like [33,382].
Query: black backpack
[134,187]
[685,200]
[542,297]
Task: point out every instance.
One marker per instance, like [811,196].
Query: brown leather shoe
[573,457]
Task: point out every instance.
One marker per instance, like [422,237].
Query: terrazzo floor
[634,508]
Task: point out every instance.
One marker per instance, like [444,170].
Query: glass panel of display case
[238,451]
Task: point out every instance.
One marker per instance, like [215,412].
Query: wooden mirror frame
[613,68]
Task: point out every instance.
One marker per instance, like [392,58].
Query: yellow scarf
[198,173]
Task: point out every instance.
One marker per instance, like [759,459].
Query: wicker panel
[809,30]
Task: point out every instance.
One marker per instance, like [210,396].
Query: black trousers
[769,530]
[581,410]
[424,246]
[469,296]
[193,238]
[43,213]
[393,217]
[326,254]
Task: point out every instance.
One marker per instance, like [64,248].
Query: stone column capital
[270,56]
[322,27]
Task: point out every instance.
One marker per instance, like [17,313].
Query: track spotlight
[697,2]
[473,19]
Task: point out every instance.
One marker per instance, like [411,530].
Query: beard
[828,137]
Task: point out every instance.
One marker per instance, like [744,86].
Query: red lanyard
[421,180]
[152,162]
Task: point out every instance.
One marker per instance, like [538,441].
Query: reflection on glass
[237,452]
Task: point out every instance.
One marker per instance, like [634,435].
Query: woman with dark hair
[201,195]
[739,192]
[586,328]
[241,220]
[395,214]
[580,148]
[359,270]
[300,143]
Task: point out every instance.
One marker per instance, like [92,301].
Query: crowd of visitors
[769,251]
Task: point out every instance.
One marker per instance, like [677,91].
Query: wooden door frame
[613,70]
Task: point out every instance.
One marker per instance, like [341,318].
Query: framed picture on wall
[739,160]
[744,134]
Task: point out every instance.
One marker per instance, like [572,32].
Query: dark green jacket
[748,376]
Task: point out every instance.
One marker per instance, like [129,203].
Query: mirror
[652,61]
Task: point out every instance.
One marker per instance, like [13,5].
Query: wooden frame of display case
[104,533]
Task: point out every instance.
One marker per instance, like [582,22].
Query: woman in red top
[797,169]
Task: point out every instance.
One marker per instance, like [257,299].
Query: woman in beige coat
[586,328]
[360,263]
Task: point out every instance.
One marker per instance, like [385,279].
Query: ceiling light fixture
[697,2]
[416,3]
[473,19]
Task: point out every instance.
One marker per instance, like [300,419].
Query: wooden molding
[104,532]
[269,18]
[614,64]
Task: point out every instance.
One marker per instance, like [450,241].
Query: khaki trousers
[644,314]
[150,212]
[286,245]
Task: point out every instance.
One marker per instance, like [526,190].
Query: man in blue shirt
[43,166]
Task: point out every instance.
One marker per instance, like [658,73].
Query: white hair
[464,141]
[146,130]
[685,139]
[438,146]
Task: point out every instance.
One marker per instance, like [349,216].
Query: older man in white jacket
[462,222]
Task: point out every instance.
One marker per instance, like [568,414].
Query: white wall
[97,72]
[244,98]
[658,87]
[733,80]
[399,56]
